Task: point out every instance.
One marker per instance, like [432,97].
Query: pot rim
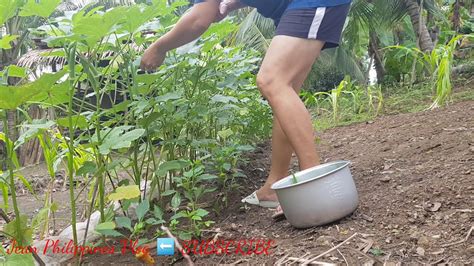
[343,162]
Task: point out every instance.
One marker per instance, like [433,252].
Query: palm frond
[255,31]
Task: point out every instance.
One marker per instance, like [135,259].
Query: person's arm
[189,27]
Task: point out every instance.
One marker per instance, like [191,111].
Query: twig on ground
[304,262]
[236,262]
[387,258]
[438,261]
[460,241]
[368,245]
[178,245]
[366,255]
[282,260]
[331,250]
[214,239]
[464,210]
[305,257]
[340,253]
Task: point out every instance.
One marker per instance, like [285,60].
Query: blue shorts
[322,23]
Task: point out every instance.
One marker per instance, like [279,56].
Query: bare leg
[285,67]
[281,153]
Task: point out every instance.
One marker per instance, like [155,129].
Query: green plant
[334,96]
[293,179]
[438,63]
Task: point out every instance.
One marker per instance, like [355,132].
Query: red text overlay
[243,247]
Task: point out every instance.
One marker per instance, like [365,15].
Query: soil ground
[415,177]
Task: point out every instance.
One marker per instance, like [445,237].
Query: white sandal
[253,199]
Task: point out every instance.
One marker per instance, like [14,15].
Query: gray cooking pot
[322,194]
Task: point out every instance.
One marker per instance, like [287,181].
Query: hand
[152,58]
[227,6]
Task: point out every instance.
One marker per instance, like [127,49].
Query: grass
[402,99]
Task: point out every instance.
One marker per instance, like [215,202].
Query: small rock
[470,250]
[420,251]
[423,241]
[436,207]
[438,252]
[385,179]
[323,241]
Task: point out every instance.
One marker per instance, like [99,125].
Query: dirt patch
[415,177]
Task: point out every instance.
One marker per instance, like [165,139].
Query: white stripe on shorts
[318,18]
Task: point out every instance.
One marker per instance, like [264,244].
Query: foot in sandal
[266,202]
[278,215]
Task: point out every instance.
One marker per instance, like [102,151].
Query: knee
[266,84]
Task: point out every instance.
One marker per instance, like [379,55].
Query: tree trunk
[375,53]
[456,18]
[425,42]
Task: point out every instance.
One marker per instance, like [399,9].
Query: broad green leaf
[223,99]
[110,232]
[124,222]
[178,215]
[117,139]
[54,95]
[158,213]
[168,96]
[54,207]
[207,177]
[40,217]
[225,133]
[201,212]
[153,221]
[87,168]
[185,235]
[168,192]
[19,260]
[42,8]
[22,237]
[105,226]
[8,9]
[78,121]
[6,40]
[227,166]
[125,192]
[176,200]
[171,165]
[32,130]
[13,96]
[92,26]
[142,209]
[16,71]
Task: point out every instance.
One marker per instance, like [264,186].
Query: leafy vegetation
[150,149]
